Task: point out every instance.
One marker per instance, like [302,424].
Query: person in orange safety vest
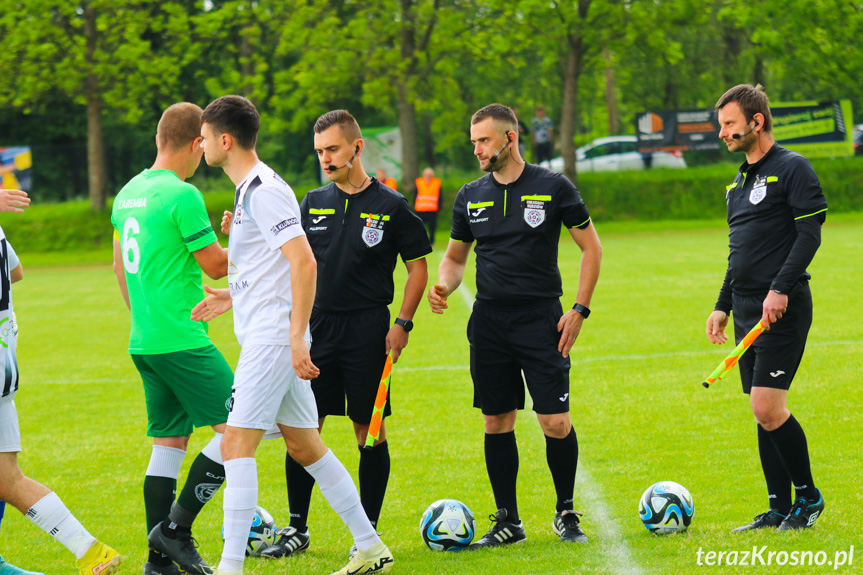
[428,201]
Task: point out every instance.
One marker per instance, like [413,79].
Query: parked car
[858,140]
[616,153]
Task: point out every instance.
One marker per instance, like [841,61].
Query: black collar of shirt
[373,183]
[513,183]
[746,167]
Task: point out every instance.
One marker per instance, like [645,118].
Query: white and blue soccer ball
[447,525]
[261,535]
[666,507]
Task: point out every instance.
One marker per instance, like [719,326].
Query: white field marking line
[612,541]
[629,357]
[599,517]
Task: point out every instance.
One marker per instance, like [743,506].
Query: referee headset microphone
[348,164]
[494,158]
[744,134]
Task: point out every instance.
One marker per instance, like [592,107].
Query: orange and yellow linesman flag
[380,402]
[731,360]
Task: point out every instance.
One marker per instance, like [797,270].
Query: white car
[616,153]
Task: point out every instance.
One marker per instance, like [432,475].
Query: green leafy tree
[103,54]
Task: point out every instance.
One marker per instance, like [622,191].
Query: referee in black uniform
[514,214]
[357,228]
[775,212]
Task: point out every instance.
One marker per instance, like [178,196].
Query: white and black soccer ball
[666,507]
[261,535]
[447,525]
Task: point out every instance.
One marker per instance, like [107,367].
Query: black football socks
[374,473]
[562,457]
[300,485]
[501,463]
[790,442]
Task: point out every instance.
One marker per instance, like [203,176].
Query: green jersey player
[162,241]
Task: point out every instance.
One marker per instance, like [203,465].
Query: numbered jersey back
[160,221]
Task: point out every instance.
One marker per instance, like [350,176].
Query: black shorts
[506,342]
[350,351]
[773,359]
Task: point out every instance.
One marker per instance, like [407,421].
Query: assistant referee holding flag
[357,228]
[514,214]
[775,212]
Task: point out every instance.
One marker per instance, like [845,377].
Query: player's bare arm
[213,259]
[716,324]
[213,305]
[415,286]
[304,277]
[13,201]
[120,272]
[450,273]
[17,274]
[570,324]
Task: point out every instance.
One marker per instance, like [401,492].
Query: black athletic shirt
[355,239]
[775,211]
[517,232]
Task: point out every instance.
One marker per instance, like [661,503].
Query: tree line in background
[84,82]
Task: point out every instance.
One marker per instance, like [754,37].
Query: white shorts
[10,433]
[267,391]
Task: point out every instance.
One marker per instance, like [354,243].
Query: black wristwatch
[582,309]
[407,324]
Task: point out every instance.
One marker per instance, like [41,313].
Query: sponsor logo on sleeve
[283,225]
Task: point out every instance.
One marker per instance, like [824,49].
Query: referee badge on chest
[534,209]
[759,190]
[373,231]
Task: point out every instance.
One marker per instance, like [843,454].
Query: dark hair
[752,100]
[343,119]
[499,113]
[180,125]
[236,116]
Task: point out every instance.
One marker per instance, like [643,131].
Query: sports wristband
[582,309]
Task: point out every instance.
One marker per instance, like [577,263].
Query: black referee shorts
[350,351]
[504,343]
[773,359]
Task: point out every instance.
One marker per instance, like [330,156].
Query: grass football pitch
[637,405]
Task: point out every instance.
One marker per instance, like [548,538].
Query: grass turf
[637,405]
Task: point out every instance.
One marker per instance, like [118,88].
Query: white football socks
[213,449]
[240,499]
[340,492]
[165,461]
[52,516]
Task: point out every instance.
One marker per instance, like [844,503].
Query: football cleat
[99,560]
[502,532]
[803,513]
[182,550]
[566,524]
[771,518]
[290,542]
[153,569]
[376,559]
[9,569]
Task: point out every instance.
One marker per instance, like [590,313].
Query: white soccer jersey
[266,216]
[8,362]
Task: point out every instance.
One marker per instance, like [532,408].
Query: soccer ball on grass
[666,507]
[447,525]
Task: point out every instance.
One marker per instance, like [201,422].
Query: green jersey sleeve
[190,214]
